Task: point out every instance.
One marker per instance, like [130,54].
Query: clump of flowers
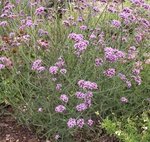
[53,69]
[110,72]
[124,100]
[80,122]
[37,66]
[64,98]
[71,123]
[87,85]
[116,23]
[5,62]
[80,43]
[98,62]
[112,54]
[40,11]
[60,108]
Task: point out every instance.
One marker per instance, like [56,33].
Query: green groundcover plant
[134,129]
[67,65]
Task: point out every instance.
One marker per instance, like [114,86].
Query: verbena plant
[60,65]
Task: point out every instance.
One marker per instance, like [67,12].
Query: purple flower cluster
[72,122]
[137,2]
[59,66]
[128,16]
[3,23]
[98,62]
[116,23]
[60,108]
[5,62]
[7,10]
[60,62]
[88,85]
[83,27]
[37,66]
[112,54]
[81,107]
[40,11]
[124,100]
[80,44]
[42,32]
[87,98]
[132,53]
[59,87]
[110,72]
[76,37]
[53,69]
[64,98]
[2,66]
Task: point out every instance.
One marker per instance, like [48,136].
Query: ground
[11,131]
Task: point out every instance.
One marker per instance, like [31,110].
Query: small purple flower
[80,95]
[81,45]
[37,66]
[110,72]
[83,27]
[2,66]
[89,94]
[88,102]
[138,38]
[98,62]
[64,98]
[81,107]
[54,79]
[128,83]
[29,23]
[66,23]
[57,137]
[41,32]
[92,36]
[90,122]
[87,85]
[60,109]
[41,69]
[58,87]
[63,71]
[136,71]
[80,123]
[124,100]
[76,37]
[96,9]
[137,79]
[71,123]
[4,23]
[53,69]
[37,63]
[60,63]
[40,11]
[116,23]
[112,54]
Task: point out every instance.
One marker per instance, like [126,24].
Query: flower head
[60,108]
[64,98]
[71,123]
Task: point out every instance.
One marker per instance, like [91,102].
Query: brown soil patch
[11,131]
